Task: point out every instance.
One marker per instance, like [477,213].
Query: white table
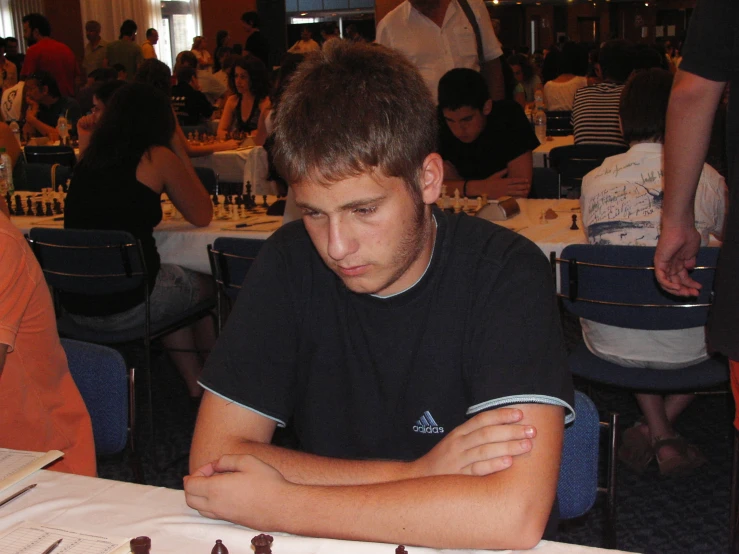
[551,235]
[127,510]
[542,152]
[228,164]
[179,242]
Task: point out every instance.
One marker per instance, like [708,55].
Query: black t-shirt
[65,106]
[364,377]
[258,46]
[506,136]
[712,52]
[190,105]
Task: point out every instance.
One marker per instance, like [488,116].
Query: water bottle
[16,130]
[540,126]
[539,100]
[62,126]
[8,167]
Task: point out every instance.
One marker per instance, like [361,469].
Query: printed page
[34,538]
[16,465]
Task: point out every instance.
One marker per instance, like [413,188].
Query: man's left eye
[366,211]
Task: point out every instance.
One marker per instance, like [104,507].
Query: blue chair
[578,487]
[97,262]
[107,388]
[575,161]
[559,123]
[230,260]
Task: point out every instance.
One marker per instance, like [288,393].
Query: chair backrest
[37,176]
[209,178]
[230,260]
[89,262]
[545,183]
[559,123]
[577,487]
[575,161]
[101,377]
[616,285]
[63,155]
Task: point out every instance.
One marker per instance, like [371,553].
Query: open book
[16,465]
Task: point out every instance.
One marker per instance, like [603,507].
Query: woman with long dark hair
[248,80]
[132,159]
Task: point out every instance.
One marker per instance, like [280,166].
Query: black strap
[475,27]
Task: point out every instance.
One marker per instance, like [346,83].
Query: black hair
[185,75]
[220,38]
[252,18]
[550,66]
[523,62]
[128,28]
[258,82]
[617,60]
[647,57]
[572,59]
[46,79]
[643,106]
[329,27]
[462,87]
[150,32]
[104,91]
[119,67]
[38,22]
[102,74]
[156,73]
[137,118]
[288,65]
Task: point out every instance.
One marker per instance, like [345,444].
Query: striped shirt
[595,115]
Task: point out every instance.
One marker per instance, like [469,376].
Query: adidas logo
[427,424]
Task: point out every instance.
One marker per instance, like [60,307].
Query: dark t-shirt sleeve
[253,361]
[515,128]
[516,352]
[708,47]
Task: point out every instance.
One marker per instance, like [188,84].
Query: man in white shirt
[437,36]
[147,49]
[305,44]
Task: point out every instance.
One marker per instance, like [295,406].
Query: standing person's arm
[493,72]
[492,52]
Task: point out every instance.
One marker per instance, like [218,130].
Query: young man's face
[93,34]
[466,123]
[11,48]
[154,37]
[368,230]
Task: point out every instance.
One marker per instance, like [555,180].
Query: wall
[225,14]
[383,7]
[65,17]
[599,11]
[544,15]
[512,29]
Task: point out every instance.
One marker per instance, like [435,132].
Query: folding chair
[559,123]
[63,155]
[578,487]
[230,260]
[575,161]
[97,262]
[107,388]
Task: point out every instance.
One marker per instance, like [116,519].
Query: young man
[11,52]
[46,54]
[46,105]
[306,43]
[94,49]
[189,103]
[486,145]
[147,49]
[417,354]
[125,51]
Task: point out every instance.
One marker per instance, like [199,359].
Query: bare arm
[182,184]
[493,72]
[522,167]
[506,509]
[514,180]
[690,117]
[41,127]
[198,150]
[489,442]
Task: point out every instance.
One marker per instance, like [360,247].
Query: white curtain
[11,17]
[195,11]
[111,13]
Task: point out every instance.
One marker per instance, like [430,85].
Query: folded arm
[505,509]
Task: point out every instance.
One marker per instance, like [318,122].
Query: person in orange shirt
[40,406]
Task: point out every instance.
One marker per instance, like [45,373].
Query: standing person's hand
[675,257]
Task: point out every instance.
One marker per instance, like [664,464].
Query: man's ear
[487,107]
[432,177]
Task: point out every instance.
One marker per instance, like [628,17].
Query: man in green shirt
[125,51]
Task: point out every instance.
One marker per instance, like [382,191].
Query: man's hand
[31,111]
[86,123]
[675,257]
[234,488]
[509,186]
[483,445]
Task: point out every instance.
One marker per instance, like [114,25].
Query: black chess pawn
[49,211]
[39,208]
[227,202]
[262,544]
[264,201]
[29,206]
[19,205]
[216,201]
[574,226]
[140,545]
[219,548]
[248,189]
[239,200]
[401,550]
[57,206]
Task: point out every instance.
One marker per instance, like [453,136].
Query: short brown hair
[643,107]
[351,110]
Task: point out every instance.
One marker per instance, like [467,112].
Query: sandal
[636,450]
[685,461]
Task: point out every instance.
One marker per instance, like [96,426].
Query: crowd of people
[376,306]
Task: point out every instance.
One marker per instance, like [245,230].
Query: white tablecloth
[179,242]
[541,153]
[127,510]
[229,164]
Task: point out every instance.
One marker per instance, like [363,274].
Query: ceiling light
[495,1]
[304,13]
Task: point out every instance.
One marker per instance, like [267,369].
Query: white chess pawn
[443,191]
[234,212]
[479,203]
[456,196]
[457,205]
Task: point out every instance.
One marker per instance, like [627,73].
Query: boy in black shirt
[486,145]
[417,354]
[190,105]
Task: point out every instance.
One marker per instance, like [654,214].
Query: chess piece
[39,208]
[57,207]
[219,548]
[484,199]
[574,226]
[264,201]
[7,199]
[550,214]
[140,545]
[19,205]
[479,203]
[29,205]
[189,137]
[262,544]
[48,211]
[216,201]
[401,550]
